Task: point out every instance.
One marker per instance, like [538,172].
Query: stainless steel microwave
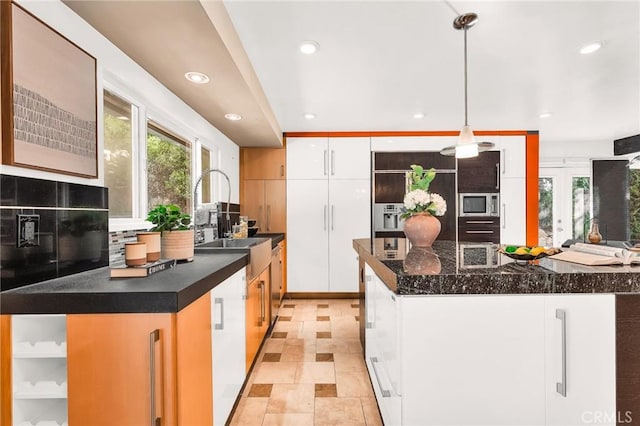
[479,204]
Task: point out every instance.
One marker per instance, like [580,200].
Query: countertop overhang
[95,292]
[506,277]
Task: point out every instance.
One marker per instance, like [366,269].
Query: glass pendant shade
[466,146]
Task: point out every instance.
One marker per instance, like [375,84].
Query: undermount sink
[259,250]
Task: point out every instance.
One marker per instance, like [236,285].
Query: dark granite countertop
[477,268]
[275,238]
[95,292]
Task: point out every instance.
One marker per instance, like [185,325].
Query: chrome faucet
[195,198]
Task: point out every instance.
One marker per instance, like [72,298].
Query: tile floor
[310,371]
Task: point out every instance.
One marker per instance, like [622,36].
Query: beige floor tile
[349,362]
[353,383]
[288,326]
[291,398]
[338,411]
[304,315]
[336,345]
[250,412]
[307,345]
[315,372]
[322,311]
[288,419]
[273,345]
[297,354]
[371,413]
[275,372]
[285,312]
[316,326]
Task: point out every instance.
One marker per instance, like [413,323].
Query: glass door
[564,204]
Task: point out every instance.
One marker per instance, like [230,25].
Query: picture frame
[48,96]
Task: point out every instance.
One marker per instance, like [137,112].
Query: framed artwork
[48,94]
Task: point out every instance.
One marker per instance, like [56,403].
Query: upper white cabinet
[513,211]
[336,158]
[513,155]
[580,359]
[411,143]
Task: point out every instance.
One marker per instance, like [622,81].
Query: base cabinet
[257,315]
[500,357]
[228,343]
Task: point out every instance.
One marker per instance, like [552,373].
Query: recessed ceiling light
[233,117]
[545,115]
[197,77]
[309,47]
[418,115]
[309,116]
[590,48]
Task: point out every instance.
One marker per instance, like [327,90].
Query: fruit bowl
[526,253]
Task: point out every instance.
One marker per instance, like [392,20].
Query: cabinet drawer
[479,229]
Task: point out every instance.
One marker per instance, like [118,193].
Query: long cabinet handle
[268,217]
[478,232]
[333,162]
[326,162]
[154,337]
[220,301]
[385,392]
[504,216]
[497,175]
[561,387]
[503,157]
[262,302]
[260,224]
[333,215]
[479,222]
[324,220]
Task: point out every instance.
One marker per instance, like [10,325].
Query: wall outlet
[28,230]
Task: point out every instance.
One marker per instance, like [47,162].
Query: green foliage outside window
[117,163]
[168,172]
[634,203]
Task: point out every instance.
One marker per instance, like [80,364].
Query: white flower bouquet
[418,199]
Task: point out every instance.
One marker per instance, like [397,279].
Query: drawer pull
[478,232]
[385,392]
[480,222]
[220,301]
[154,337]
[561,387]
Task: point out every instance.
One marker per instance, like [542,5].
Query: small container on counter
[135,254]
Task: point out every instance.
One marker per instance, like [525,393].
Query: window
[545,211]
[168,169]
[634,201]
[581,205]
[205,164]
[118,154]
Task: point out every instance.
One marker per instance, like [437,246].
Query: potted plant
[421,206]
[177,238]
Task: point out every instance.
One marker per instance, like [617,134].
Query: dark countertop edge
[275,237]
[554,283]
[111,303]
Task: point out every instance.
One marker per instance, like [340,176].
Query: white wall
[132,81]
[557,153]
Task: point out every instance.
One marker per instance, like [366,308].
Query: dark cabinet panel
[479,229]
[480,174]
[404,160]
[611,198]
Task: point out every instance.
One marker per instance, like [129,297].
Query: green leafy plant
[168,217]
[419,178]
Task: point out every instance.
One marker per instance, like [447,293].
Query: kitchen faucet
[195,198]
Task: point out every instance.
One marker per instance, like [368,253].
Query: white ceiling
[381,62]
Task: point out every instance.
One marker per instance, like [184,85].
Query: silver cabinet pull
[385,392]
[333,215]
[262,313]
[154,337]
[478,232]
[326,162]
[479,222]
[268,217]
[325,217]
[333,162]
[260,224]
[220,301]
[503,158]
[497,175]
[282,170]
[504,216]
[561,387]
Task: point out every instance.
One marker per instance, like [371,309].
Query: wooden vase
[177,245]
[422,229]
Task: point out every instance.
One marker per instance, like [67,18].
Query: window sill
[128,224]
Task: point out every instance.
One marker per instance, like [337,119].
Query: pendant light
[467,146]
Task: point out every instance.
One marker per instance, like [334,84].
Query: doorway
[564,204]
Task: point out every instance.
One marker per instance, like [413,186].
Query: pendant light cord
[466,109]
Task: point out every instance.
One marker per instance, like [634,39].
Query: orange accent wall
[532,161]
[533,157]
[5,370]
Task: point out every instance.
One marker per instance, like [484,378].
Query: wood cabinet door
[275,202]
[252,203]
[109,366]
[253,323]
[264,163]
[479,174]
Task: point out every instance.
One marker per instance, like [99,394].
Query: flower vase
[422,229]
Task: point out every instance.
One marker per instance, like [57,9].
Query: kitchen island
[463,335]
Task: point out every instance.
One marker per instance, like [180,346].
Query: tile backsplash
[71,232]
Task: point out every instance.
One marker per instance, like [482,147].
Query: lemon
[521,250]
[536,251]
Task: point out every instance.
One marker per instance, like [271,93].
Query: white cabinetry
[513,211]
[513,155]
[39,370]
[588,349]
[327,207]
[228,343]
